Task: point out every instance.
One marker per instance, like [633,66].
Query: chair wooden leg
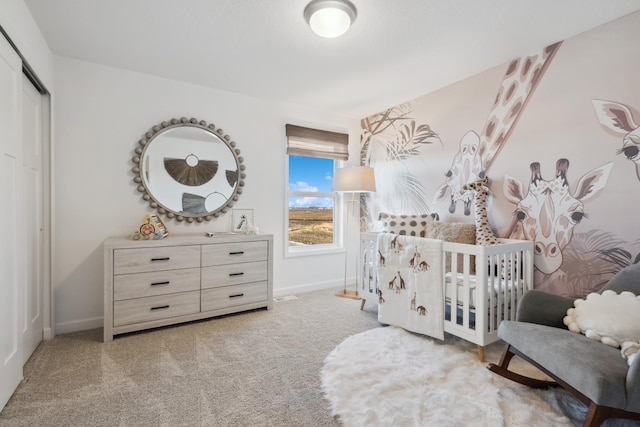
[481,353]
[362,301]
[505,357]
[596,415]
[502,369]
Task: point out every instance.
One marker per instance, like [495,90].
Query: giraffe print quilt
[410,277]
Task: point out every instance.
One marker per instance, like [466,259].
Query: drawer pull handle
[236,295]
[160,259]
[237,253]
[160,307]
[160,283]
[235,274]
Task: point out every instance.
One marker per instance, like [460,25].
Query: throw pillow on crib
[406,225]
[611,318]
[456,232]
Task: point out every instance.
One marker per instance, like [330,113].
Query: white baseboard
[98,322]
[79,325]
[310,287]
[47,334]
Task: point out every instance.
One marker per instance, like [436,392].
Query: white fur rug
[390,377]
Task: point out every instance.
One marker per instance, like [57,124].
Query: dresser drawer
[230,296]
[234,274]
[142,260]
[139,310]
[137,285]
[231,253]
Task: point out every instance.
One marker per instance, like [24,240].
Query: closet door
[11,247]
[32,124]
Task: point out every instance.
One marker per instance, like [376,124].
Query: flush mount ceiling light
[330,18]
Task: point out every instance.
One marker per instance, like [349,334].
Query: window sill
[301,251]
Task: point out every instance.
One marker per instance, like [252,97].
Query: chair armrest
[543,308]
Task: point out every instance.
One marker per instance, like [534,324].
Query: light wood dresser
[152,283]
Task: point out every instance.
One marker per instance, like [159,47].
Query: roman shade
[309,142]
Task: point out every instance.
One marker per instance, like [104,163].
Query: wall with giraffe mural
[557,132]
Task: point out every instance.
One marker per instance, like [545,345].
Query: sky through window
[310,174]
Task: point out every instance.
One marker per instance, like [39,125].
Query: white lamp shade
[330,18]
[354,179]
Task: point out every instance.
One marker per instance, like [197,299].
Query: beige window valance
[303,141]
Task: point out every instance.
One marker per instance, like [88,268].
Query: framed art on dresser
[240,218]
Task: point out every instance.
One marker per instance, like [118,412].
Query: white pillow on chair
[608,317]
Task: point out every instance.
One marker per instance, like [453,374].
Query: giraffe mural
[549,224]
[548,213]
[466,167]
[536,120]
[477,152]
[518,84]
[619,119]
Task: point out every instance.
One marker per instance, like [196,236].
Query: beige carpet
[260,368]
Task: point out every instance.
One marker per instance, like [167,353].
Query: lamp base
[345,293]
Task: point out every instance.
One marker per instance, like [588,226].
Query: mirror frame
[147,195]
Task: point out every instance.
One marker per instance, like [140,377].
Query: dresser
[152,283]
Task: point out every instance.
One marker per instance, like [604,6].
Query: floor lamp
[353,179]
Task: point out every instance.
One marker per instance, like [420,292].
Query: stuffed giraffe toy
[484,234]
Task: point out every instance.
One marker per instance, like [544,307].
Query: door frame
[49,331]
[47,188]
[48,306]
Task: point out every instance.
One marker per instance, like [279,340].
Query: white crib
[472,312]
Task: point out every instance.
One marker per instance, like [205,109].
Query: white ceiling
[395,51]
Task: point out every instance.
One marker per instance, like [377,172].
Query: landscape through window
[311,202]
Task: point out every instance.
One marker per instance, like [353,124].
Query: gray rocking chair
[593,372]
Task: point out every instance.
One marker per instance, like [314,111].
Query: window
[311,202]
[313,210]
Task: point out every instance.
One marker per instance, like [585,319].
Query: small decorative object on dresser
[155,283]
[240,219]
[252,229]
[151,228]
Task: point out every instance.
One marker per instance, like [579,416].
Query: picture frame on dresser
[240,218]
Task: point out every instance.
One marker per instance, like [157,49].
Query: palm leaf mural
[381,122]
[384,123]
[408,140]
[591,259]
[414,200]
[389,140]
[616,256]
[365,213]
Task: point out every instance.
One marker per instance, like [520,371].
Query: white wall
[101,113]
[17,21]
